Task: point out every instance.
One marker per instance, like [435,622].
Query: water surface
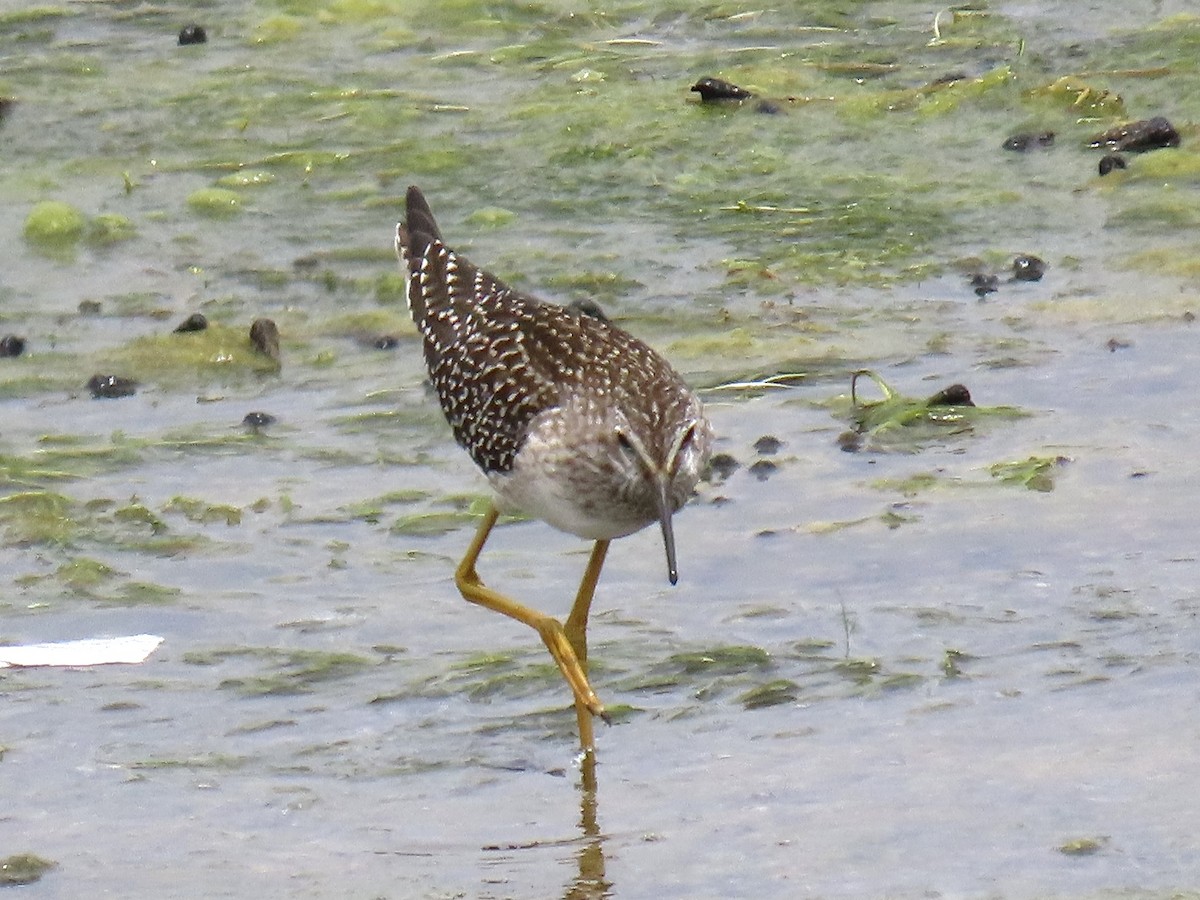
[883,673]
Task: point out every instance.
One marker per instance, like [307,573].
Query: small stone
[984,284]
[257,420]
[763,469]
[108,387]
[850,441]
[720,467]
[264,335]
[955,395]
[11,345]
[1111,163]
[767,445]
[1028,268]
[194,322]
[711,89]
[386,342]
[1138,137]
[192,34]
[1025,141]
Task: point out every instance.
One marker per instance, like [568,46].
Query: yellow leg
[562,648]
[576,632]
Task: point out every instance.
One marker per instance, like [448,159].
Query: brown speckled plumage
[572,419]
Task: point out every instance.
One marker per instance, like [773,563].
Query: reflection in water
[590,884]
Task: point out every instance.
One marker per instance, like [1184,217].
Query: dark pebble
[1111,163]
[258,420]
[1138,137]
[386,342]
[711,89]
[89,307]
[768,108]
[950,78]
[107,387]
[587,307]
[763,469]
[850,441]
[955,395]
[264,335]
[767,445]
[1028,140]
[194,322]
[1028,268]
[192,34]
[720,467]
[6,106]
[1189,316]
[984,284]
[11,345]
[1115,344]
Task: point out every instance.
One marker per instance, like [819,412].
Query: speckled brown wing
[497,357]
[474,333]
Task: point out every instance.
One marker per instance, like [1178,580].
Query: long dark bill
[664,517]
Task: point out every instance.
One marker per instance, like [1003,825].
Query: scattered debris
[194,322]
[192,34]
[129,650]
[984,284]
[767,445]
[1028,268]
[256,420]
[109,387]
[715,89]
[264,335]
[1138,137]
[11,345]
[1025,141]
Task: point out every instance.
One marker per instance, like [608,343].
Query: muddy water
[885,673]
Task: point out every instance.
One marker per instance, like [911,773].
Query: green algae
[246,179]
[217,762]
[219,350]
[289,671]
[23,868]
[41,517]
[1036,473]
[373,510]
[1087,846]
[728,660]
[217,202]
[429,524]
[109,228]
[204,513]
[54,223]
[907,423]
[37,517]
[774,693]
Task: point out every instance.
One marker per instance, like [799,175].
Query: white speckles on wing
[517,377]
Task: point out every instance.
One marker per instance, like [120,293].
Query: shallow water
[883,673]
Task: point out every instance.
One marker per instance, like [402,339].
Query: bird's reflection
[591,883]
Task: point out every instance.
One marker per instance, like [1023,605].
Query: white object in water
[90,652]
